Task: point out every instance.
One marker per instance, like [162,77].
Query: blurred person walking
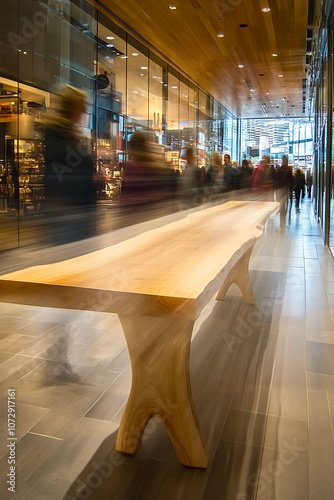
[149,183]
[69,177]
[283,185]
[216,175]
[264,179]
[190,181]
[70,198]
[247,172]
[309,182]
[298,186]
[232,175]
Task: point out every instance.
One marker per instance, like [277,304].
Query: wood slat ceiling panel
[188,38]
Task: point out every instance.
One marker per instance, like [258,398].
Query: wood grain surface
[160,272]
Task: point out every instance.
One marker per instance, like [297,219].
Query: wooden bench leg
[159,351]
[239,275]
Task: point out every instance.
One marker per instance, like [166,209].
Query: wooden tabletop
[165,268]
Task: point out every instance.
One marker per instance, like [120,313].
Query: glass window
[156,103]
[109,104]
[137,89]
[173,112]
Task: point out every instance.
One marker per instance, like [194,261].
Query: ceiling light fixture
[241,66]
[220,35]
[274,54]
[266,9]
[110,37]
[172,7]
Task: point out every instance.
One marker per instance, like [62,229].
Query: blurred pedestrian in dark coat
[69,181]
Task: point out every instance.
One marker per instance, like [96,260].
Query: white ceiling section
[188,37]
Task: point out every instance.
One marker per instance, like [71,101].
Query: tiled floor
[262,379]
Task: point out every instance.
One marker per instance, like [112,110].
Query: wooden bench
[158,283]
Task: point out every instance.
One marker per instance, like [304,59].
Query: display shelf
[25,178]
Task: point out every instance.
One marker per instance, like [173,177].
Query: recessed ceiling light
[220,35]
[134,54]
[280,75]
[174,86]
[143,67]
[109,45]
[172,7]
[274,54]
[110,37]
[241,66]
[124,56]
[266,9]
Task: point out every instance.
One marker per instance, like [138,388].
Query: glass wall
[292,137]
[129,88]
[322,83]
[107,125]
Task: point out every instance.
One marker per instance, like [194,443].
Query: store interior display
[31,177]
[21,158]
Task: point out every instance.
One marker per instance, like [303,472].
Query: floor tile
[320,357]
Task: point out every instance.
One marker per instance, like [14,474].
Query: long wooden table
[158,283]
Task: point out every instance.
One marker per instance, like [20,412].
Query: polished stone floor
[262,379]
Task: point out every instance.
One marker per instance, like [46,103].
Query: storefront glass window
[173,114]
[109,103]
[228,138]
[188,134]
[156,102]
[137,64]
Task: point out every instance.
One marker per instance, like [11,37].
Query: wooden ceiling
[188,37]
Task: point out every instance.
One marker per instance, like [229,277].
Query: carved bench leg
[159,351]
[239,275]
